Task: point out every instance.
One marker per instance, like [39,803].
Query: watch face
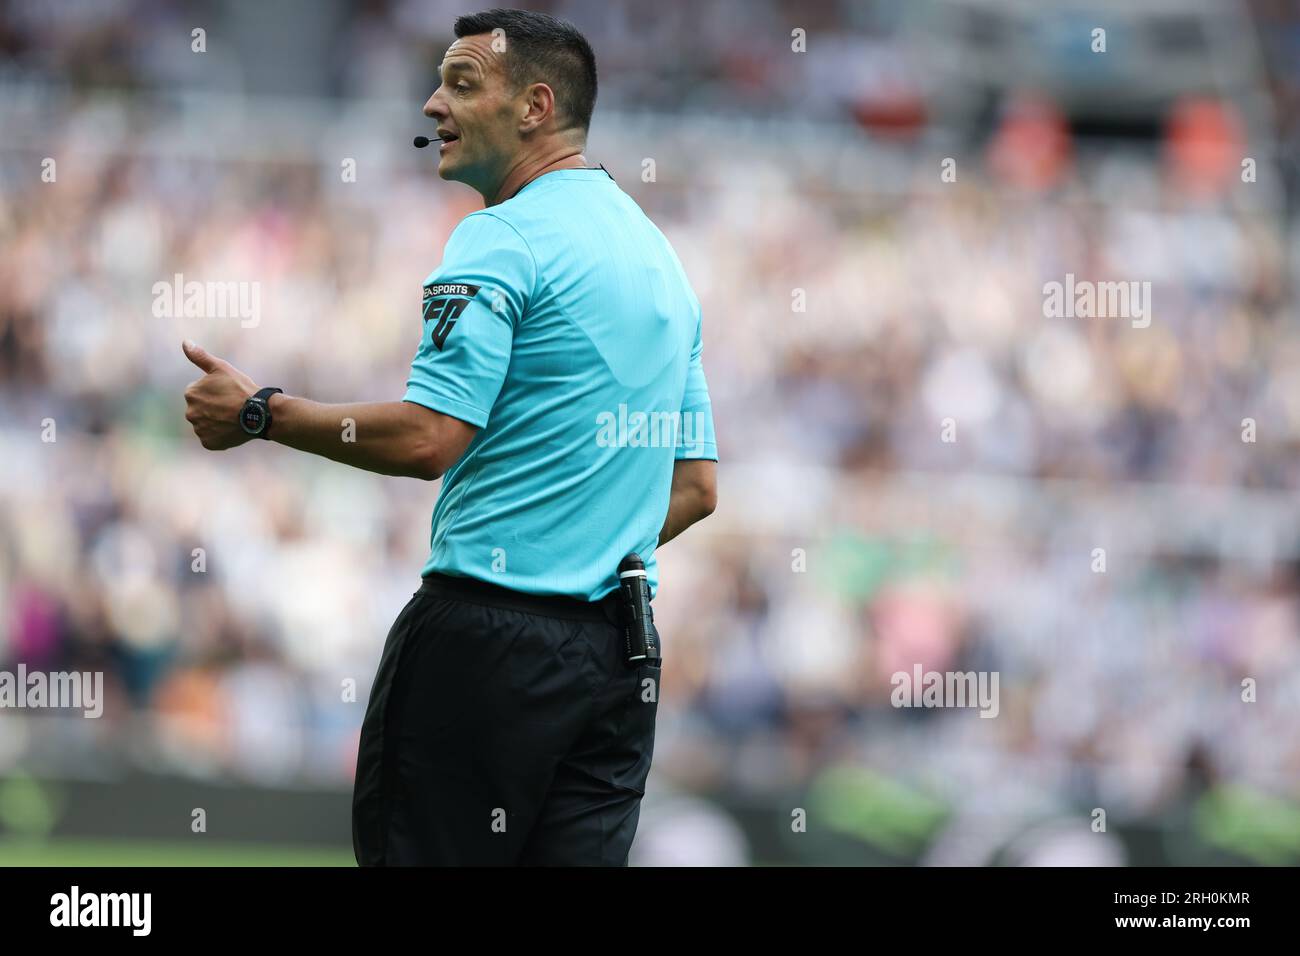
[253,417]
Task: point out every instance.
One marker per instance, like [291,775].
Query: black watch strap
[263,395]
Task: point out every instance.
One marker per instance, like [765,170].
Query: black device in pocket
[640,640]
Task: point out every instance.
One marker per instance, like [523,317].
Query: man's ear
[539,106]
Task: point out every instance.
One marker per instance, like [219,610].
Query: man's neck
[526,170]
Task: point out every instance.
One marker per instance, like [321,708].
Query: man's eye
[462,87]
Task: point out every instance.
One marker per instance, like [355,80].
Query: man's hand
[213,402]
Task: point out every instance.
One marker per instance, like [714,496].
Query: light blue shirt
[561,323]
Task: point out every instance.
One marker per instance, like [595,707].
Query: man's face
[476,105]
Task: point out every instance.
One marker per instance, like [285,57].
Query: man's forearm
[693,497]
[383,437]
[684,509]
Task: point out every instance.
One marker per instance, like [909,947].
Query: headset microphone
[422,141]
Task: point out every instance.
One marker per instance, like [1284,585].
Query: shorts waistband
[474,591]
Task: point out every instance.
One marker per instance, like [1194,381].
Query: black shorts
[503,729]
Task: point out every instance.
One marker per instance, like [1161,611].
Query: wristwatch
[255,416]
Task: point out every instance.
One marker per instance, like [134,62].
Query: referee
[560,340]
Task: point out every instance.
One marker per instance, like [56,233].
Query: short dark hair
[543,49]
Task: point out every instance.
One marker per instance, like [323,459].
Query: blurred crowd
[726,55]
[866,357]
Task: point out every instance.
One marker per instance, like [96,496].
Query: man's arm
[693,497]
[390,438]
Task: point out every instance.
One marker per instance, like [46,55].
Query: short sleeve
[471,305]
[697,438]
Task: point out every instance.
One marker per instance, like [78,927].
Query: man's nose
[434,108]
